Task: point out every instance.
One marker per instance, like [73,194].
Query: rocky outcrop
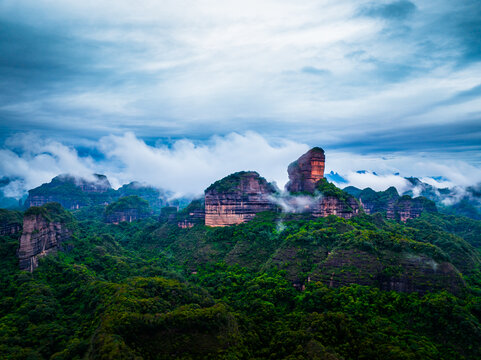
[128,208]
[237,198]
[408,208]
[306,171]
[331,205]
[72,192]
[44,229]
[155,197]
[192,215]
[392,205]
[10,222]
[400,272]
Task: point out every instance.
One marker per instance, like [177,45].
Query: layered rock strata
[237,198]
[330,205]
[42,235]
[72,192]
[393,206]
[10,222]
[398,272]
[126,215]
[192,215]
[127,208]
[306,171]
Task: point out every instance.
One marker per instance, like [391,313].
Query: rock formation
[408,208]
[331,205]
[391,205]
[406,273]
[156,198]
[192,215]
[128,208]
[306,171]
[10,222]
[44,229]
[72,192]
[237,198]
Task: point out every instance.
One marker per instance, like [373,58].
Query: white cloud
[187,167]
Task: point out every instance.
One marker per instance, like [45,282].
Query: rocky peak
[44,228]
[128,208]
[237,198]
[72,192]
[306,171]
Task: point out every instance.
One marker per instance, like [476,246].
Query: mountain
[44,230]
[246,272]
[72,192]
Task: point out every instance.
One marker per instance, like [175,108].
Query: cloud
[187,167]
[395,10]
[314,72]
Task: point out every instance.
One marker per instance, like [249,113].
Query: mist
[186,167]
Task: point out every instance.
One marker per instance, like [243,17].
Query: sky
[180,93]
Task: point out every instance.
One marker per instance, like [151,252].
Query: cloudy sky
[177,93]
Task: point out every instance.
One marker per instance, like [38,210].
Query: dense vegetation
[131,202]
[149,290]
[232,182]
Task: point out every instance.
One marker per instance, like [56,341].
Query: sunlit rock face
[237,198]
[306,171]
[42,235]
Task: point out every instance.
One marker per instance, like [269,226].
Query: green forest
[272,288]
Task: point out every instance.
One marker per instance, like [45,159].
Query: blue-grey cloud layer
[367,76]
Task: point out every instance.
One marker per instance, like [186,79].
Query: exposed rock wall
[72,192]
[306,171]
[40,237]
[330,205]
[399,272]
[194,217]
[237,198]
[407,208]
[127,215]
[10,222]
[10,229]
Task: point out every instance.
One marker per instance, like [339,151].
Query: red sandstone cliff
[42,234]
[237,198]
[306,171]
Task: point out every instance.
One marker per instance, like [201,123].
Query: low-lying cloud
[186,167]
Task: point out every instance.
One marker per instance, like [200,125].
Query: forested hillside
[278,287]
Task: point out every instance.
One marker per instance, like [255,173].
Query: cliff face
[237,198]
[407,208]
[331,205]
[44,228]
[127,215]
[389,271]
[71,192]
[392,205]
[128,208]
[306,171]
[192,215]
[155,197]
[10,222]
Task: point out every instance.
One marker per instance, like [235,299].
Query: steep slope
[44,229]
[72,192]
[128,208]
[10,222]
[237,198]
